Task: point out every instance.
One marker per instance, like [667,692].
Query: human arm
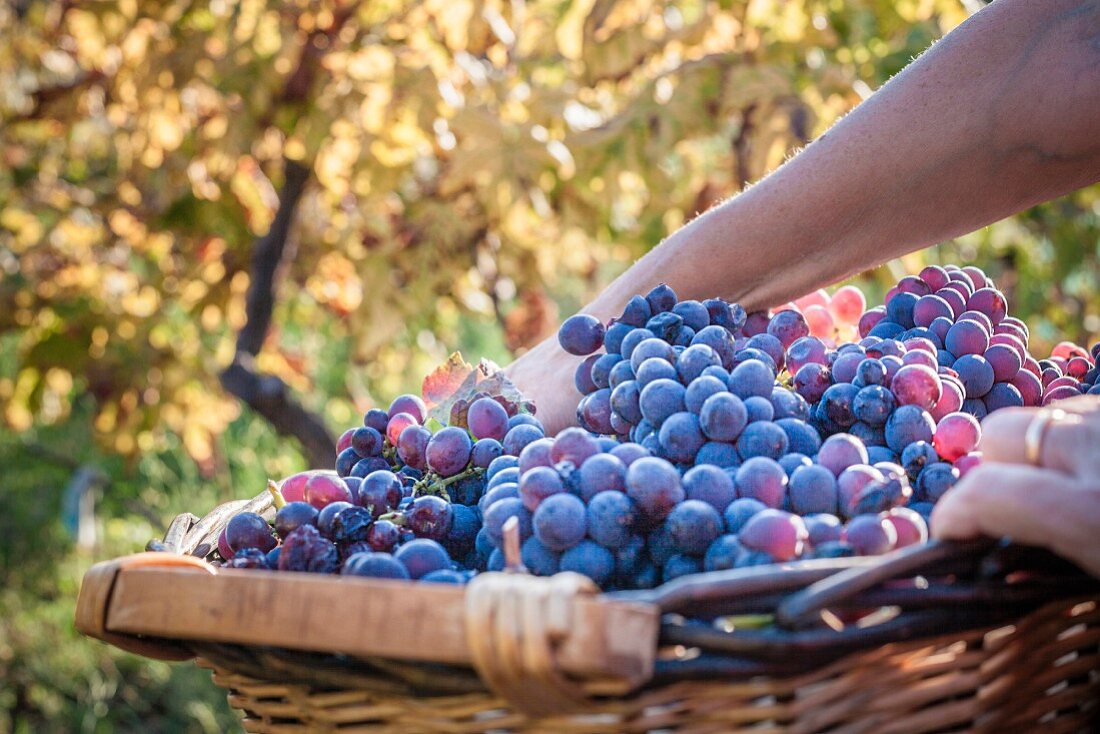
[999,115]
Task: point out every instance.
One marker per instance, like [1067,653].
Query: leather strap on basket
[514,626]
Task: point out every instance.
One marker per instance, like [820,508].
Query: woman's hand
[1055,504]
[545,375]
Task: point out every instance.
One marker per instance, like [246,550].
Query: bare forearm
[1000,115]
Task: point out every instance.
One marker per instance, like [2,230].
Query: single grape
[763,479]
[610,519]
[430,517]
[694,525]
[448,451]
[709,484]
[758,409]
[590,559]
[628,453]
[379,493]
[680,437]
[716,453]
[956,434]
[346,461]
[487,418]
[601,473]
[366,466]
[654,484]
[660,399]
[538,484]
[696,358]
[722,553]
[976,374]
[813,489]
[787,326]
[909,526]
[870,535]
[1003,395]
[916,385]
[840,451]
[935,479]
[779,534]
[822,528]
[322,489]
[498,512]
[327,516]
[637,312]
[908,424]
[614,335]
[574,445]
[305,550]
[762,438]
[811,382]
[520,436]
[422,556]
[653,348]
[249,530]
[581,334]
[720,340]
[292,516]
[538,559]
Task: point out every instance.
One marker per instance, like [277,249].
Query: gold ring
[1036,430]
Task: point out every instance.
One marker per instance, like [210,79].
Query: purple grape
[899,310]
[908,424]
[916,385]
[909,527]
[559,522]
[346,461]
[382,536]
[350,525]
[722,553]
[680,437]
[870,535]
[249,530]
[763,479]
[430,517]
[538,559]
[654,484]
[840,451]
[822,528]
[628,453]
[652,349]
[487,419]
[935,479]
[520,436]
[536,453]
[366,467]
[655,368]
[538,484]
[636,312]
[485,452]
[590,559]
[779,534]
[422,556]
[305,550]
[853,482]
[694,360]
[377,419]
[327,516]
[718,339]
[448,451]
[770,346]
[581,334]
[574,445]
[412,445]
[601,473]
[497,513]
[810,382]
[788,326]
[762,438]
[601,369]
[929,308]
[975,373]
[292,516]
[716,453]
[700,389]
[1003,395]
[812,489]
[249,558]
[679,565]
[660,399]
[620,373]
[804,351]
[410,404]
[323,489]
[709,484]
[873,405]
[846,366]
[614,335]
[611,517]
[379,493]
[836,402]
[662,298]
[595,410]
[694,525]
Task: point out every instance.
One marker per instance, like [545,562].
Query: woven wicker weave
[991,641]
[1040,675]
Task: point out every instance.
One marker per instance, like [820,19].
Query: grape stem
[396,517]
[276,495]
[431,484]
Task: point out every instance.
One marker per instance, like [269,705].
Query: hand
[545,375]
[1055,505]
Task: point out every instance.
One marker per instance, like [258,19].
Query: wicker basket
[977,637]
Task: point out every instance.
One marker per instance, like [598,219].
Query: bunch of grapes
[708,438]
[403,502]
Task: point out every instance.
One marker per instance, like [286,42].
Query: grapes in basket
[707,438]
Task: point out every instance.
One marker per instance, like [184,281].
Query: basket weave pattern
[1042,674]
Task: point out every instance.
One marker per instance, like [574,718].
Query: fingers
[1069,445]
[1030,505]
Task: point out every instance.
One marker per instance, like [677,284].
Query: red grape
[323,489]
[398,423]
[487,419]
[779,534]
[410,404]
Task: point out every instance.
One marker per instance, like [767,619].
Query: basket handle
[94,602]
[804,607]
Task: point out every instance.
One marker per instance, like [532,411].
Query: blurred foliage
[478,165]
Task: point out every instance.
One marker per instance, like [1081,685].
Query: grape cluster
[404,502]
[707,438]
